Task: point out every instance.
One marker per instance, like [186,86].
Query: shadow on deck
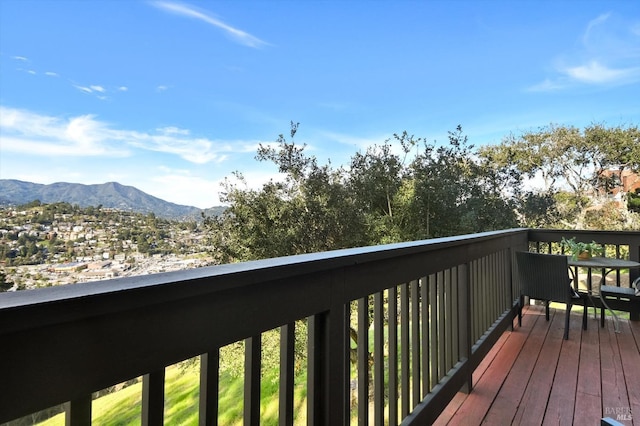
[533,376]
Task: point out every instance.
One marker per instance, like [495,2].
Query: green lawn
[181,401]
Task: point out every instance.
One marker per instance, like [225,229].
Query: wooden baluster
[153,398]
[209,389]
[415,343]
[378,359]
[424,325]
[393,355]
[287,359]
[78,411]
[363,361]
[404,350]
[252,367]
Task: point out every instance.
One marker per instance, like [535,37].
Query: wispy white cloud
[84,89]
[171,130]
[28,71]
[161,88]
[30,133]
[596,73]
[94,89]
[609,56]
[593,24]
[35,134]
[194,150]
[237,35]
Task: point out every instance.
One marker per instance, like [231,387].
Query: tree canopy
[403,189]
[409,189]
[579,171]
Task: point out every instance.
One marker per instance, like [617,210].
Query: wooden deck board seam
[508,399]
[595,374]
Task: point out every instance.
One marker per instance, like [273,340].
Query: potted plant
[580,250]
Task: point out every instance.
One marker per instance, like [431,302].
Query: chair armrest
[610,290]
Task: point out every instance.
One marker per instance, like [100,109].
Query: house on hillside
[616,183]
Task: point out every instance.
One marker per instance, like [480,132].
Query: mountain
[110,194]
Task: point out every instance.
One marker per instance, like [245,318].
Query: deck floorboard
[533,376]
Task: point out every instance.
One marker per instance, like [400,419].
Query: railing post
[378,358]
[328,362]
[287,352]
[442,326]
[252,362]
[433,329]
[78,411]
[415,343]
[510,277]
[327,394]
[426,335]
[209,390]
[153,398]
[338,355]
[363,361]
[317,365]
[405,394]
[393,355]
[464,343]
[634,254]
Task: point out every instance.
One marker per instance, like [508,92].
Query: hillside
[110,195]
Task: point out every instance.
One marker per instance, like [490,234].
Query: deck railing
[425,313]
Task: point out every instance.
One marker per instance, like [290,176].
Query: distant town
[43,245]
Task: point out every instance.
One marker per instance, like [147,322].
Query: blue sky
[172,97]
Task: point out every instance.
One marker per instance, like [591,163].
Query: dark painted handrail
[446,300]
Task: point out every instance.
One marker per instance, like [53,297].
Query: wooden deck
[532,376]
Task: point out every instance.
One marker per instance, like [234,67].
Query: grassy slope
[181,401]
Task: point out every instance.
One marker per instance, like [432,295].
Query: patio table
[607,265]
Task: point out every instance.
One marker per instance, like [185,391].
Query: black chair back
[544,276]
